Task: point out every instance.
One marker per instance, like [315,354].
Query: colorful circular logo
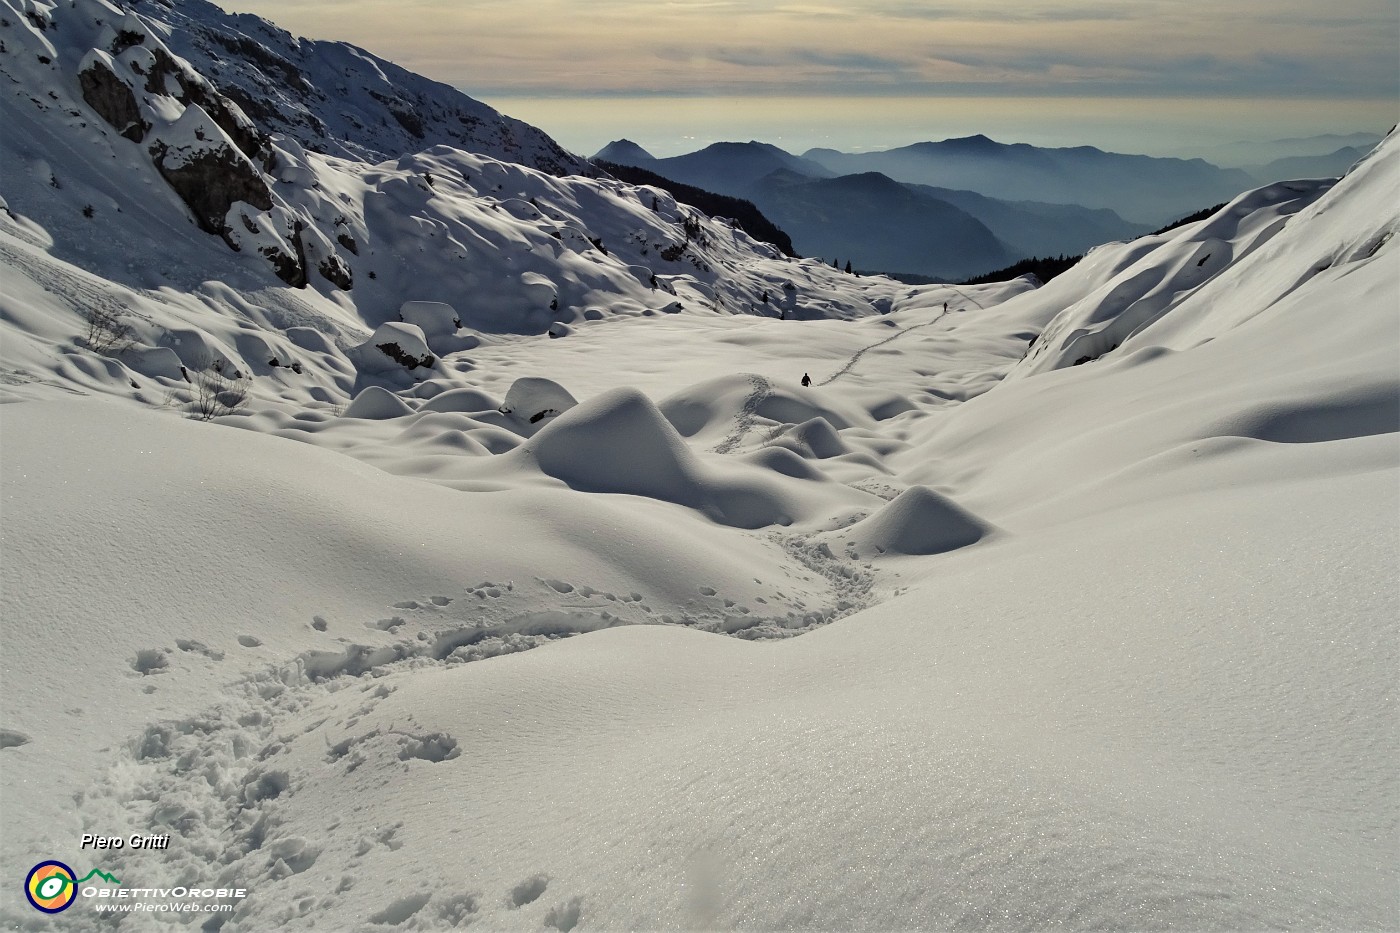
[51,887]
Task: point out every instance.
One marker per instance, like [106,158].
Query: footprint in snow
[401,910]
[150,661]
[565,917]
[198,647]
[529,890]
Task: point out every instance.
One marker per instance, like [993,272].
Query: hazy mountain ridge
[1242,154]
[875,222]
[1142,189]
[726,167]
[940,233]
[1330,165]
[1039,228]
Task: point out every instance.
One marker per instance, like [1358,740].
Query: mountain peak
[970,143]
[624,152]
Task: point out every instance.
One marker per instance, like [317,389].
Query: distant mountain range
[1142,189]
[1251,155]
[874,222]
[879,223]
[1331,165]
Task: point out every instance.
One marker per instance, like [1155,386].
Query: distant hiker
[945,307]
[806,380]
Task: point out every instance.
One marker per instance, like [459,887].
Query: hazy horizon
[1142,77]
[668,126]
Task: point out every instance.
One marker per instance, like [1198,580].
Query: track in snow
[744,420]
[855,357]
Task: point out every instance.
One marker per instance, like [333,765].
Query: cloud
[846,62]
[983,12]
[1284,48]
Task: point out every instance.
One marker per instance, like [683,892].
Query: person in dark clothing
[806,380]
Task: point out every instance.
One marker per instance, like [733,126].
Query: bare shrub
[107,334]
[216,394]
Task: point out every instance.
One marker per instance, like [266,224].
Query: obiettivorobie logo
[52,886]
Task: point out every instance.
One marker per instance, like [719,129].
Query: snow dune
[450,622]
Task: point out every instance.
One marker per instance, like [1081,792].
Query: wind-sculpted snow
[620,443]
[918,521]
[450,620]
[1157,273]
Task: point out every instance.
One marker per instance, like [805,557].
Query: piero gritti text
[134,841]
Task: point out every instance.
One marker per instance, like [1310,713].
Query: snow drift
[1087,646]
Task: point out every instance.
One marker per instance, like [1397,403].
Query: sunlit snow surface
[507,641]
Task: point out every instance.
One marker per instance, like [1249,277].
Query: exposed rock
[208,173]
[211,182]
[334,270]
[126,38]
[112,98]
[289,268]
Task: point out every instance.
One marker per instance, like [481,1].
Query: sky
[1269,67]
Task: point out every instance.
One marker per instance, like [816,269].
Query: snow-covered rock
[394,348]
[433,318]
[533,399]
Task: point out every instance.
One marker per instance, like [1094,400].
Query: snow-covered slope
[431,627]
[125,162]
[341,100]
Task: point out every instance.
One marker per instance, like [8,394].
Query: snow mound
[917,521]
[706,411]
[815,438]
[619,442]
[534,399]
[376,403]
[786,406]
[1361,411]
[784,461]
[706,406]
[461,400]
[156,362]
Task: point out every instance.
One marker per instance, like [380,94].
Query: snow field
[1098,645]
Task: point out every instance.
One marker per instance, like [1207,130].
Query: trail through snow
[855,357]
[744,419]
